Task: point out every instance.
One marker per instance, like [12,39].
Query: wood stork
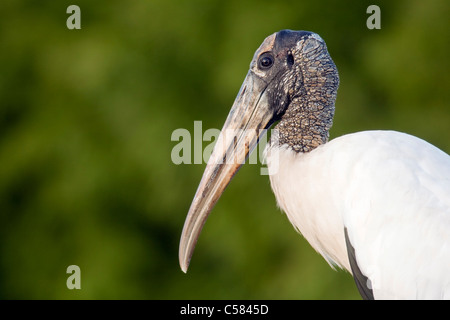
[376,203]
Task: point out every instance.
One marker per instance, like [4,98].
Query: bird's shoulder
[389,151]
[397,211]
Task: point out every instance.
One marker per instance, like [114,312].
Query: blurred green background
[86,118]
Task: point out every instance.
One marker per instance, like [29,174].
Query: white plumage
[390,190]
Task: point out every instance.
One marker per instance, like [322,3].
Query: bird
[375,203]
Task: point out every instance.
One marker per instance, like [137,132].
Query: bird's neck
[306,123]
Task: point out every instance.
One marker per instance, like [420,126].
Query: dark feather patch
[360,279]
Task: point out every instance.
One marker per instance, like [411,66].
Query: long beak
[245,124]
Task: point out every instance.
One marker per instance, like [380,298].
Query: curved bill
[250,115]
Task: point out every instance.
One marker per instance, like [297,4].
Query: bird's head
[293,80]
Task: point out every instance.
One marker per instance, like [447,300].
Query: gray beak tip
[184,266]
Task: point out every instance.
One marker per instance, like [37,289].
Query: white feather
[392,193]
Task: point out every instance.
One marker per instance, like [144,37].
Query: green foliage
[86,118]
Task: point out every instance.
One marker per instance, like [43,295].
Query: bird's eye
[265,61]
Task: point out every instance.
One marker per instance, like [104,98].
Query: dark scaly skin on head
[312,84]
